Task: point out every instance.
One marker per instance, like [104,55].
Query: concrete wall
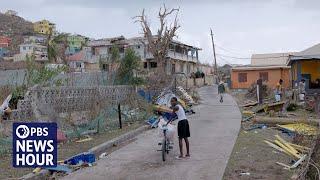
[12,77]
[274,75]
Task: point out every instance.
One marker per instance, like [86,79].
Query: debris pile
[74,163]
[297,152]
[162,106]
[288,127]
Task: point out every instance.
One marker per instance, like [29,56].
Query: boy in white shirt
[183,126]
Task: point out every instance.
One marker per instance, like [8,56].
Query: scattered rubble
[288,128]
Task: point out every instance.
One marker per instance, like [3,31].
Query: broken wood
[84,140]
[286,144]
[284,165]
[277,147]
[287,149]
[299,146]
[250,104]
[296,164]
[274,121]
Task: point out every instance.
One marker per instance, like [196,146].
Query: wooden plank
[250,104]
[284,165]
[286,144]
[287,149]
[299,146]
[273,121]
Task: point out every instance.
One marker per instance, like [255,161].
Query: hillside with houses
[40,41]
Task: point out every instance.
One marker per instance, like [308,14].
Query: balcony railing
[175,55]
[182,57]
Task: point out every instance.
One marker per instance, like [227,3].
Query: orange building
[243,77]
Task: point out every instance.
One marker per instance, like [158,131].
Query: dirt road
[214,129]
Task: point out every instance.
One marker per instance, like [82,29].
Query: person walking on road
[183,126]
[221,90]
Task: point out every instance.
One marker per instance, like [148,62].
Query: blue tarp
[86,157]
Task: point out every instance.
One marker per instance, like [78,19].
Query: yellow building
[44,27]
[306,65]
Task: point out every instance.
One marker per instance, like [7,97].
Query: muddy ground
[64,151]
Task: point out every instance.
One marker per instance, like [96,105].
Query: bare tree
[158,43]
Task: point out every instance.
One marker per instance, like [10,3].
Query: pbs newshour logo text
[34,145]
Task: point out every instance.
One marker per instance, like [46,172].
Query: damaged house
[180,58]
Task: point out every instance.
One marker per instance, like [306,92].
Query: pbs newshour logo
[34,144]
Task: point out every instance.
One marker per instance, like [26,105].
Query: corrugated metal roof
[270,59]
[251,67]
[312,53]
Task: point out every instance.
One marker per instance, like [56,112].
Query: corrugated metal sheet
[270,59]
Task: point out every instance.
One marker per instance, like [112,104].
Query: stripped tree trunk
[158,43]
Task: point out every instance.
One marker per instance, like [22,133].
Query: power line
[225,60]
[226,50]
[237,57]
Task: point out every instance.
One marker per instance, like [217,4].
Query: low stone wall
[46,100]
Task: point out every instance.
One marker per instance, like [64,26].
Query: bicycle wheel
[164,145]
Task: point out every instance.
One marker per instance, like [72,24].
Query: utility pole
[214,55]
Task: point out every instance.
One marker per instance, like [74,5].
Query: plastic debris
[60,168]
[86,157]
[256,126]
[245,173]
[103,155]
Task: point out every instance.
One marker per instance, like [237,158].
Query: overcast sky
[241,27]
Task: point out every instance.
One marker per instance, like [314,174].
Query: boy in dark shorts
[183,126]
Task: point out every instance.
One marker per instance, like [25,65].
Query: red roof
[4,41]
[77,57]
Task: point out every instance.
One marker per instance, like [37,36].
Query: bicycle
[165,144]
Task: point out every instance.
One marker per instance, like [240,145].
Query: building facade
[268,67]
[306,65]
[75,43]
[4,41]
[3,52]
[83,61]
[40,39]
[44,27]
[244,77]
[39,52]
[181,58]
